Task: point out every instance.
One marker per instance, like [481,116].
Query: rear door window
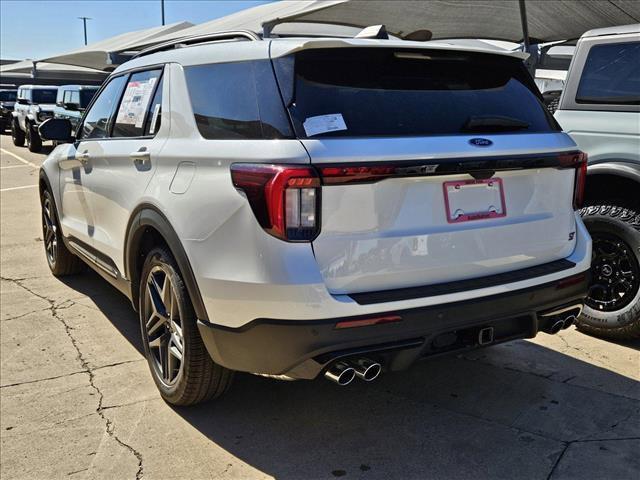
[355,92]
[611,75]
[237,101]
[134,106]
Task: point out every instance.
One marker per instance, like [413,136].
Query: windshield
[346,92]
[43,95]
[8,95]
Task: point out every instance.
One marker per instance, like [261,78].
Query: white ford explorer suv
[299,207]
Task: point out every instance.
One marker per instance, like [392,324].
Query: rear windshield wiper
[493,123]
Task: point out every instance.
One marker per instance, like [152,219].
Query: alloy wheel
[163,327]
[615,274]
[50,230]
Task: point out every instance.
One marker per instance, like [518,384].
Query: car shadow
[502,412]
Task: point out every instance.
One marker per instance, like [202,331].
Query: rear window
[8,96]
[385,92]
[237,100]
[86,95]
[611,75]
[44,96]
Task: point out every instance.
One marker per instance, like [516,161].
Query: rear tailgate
[396,233]
[437,166]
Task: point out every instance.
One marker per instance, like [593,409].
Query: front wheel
[17,135]
[60,260]
[34,142]
[612,308]
[179,362]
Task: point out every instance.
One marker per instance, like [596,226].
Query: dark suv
[7,100]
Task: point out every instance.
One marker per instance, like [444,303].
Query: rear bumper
[303,348]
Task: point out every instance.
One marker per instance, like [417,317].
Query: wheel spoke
[157,343]
[155,296]
[154,323]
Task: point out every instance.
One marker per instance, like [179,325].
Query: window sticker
[134,102]
[323,124]
[154,119]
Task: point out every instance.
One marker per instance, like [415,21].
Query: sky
[37,29]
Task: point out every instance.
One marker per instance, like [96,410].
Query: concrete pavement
[77,400]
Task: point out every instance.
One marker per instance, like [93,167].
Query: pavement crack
[17,384]
[25,314]
[86,368]
[590,440]
[548,377]
[559,459]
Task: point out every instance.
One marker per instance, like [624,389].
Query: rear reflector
[569,281]
[365,322]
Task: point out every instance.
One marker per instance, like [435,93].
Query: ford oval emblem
[481,142]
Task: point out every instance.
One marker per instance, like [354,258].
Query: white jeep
[600,109]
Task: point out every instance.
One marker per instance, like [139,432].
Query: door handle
[83,157]
[140,155]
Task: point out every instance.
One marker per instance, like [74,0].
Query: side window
[154,114]
[134,106]
[611,75]
[96,122]
[66,96]
[224,100]
[74,97]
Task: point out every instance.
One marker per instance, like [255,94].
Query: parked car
[33,106]
[301,207]
[600,109]
[71,102]
[7,99]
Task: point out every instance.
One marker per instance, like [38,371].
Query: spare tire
[612,308]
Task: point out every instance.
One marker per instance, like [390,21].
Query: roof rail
[194,39]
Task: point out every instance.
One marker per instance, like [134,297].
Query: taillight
[577,160]
[284,198]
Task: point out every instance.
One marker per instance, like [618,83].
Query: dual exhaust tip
[560,324]
[343,372]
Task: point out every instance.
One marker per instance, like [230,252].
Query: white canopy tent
[545,20]
[506,20]
[28,71]
[107,54]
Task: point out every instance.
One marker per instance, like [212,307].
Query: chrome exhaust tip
[340,373]
[366,369]
[556,327]
[568,321]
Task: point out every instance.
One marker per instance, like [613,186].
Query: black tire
[17,135]
[60,260]
[616,235]
[34,142]
[198,378]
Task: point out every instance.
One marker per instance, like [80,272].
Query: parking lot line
[17,188]
[14,166]
[26,162]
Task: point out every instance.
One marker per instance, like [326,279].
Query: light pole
[162,9]
[84,22]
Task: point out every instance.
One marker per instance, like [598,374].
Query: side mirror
[72,106]
[23,101]
[58,129]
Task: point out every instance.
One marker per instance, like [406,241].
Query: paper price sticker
[323,124]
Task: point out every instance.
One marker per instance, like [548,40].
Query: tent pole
[525,26]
